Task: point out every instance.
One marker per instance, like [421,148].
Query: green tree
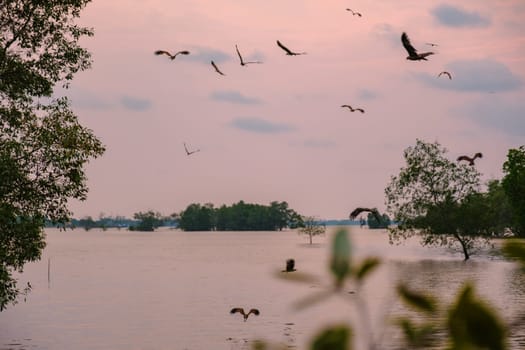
[311,227]
[197,217]
[43,148]
[514,185]
[148,221]
[432,197]
[373,223]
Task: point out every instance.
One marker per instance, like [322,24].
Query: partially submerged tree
[514,185]
[435,198]
[148,221]
[43,147]
[311,227]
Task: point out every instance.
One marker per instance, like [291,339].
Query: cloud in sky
[475,75]
[234,97]
[452,16]
[206,55]
[135,104]
[500,114]
[259,125]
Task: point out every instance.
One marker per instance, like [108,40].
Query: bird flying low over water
[245,315]
[290,266]
[243,63]
[171,56]
[354,12]
[189,153]
[412,52]
[354,109]
[216,68]
[445,73]
[470,160]
[359,210]
[288,51]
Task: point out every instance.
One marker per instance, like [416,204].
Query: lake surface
[174,290]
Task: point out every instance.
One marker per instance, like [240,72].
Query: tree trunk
[310,238]
[463,245]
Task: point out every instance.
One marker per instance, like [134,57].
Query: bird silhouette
[445,73]
[412,52]
[354,109]
[290,266]
[359,210]
[189,153]
[288,51]
[171,56]
[244,63]
[217,68]
[354,13]
[469,159]
[245,315]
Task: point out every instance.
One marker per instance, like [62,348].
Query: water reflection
[174,290]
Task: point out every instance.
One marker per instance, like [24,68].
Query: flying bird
[354,13]
[445,73]
[359,210]
[470,160]
[288,51]
[171,56]
[189,153]
[216,68]
[354,109]
[412,52]
[243,63]
[245,315]
[290,266]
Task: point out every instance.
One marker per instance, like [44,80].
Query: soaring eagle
[359,210]
[171,56]
[354,13]
[243,63]
[190,152]
[245,315]
[354,109]
[412,52]
[470,160]
[445,73]
[217,68]
[288,51]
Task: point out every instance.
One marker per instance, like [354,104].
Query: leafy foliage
[437,199]
[333,338]
[239,217]
[311,227]
[148,221]
[43,148]
[514,185]
[373,223]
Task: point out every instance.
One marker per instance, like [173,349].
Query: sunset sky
[275,131]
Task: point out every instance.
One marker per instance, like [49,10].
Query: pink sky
[276,131]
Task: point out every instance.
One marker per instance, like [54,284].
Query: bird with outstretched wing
[412,52]
[244,314]
[288,51]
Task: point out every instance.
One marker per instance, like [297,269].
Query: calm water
[173,290]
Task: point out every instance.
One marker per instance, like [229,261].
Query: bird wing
[238,53]
[357,211]
[216,68]
[186,149]
[347,106]
[360,110]
[162,52]
[284,48]
[254,311]
[407,45]
[237,309]
[467,158]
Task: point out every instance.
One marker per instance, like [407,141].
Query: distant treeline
[240,216]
